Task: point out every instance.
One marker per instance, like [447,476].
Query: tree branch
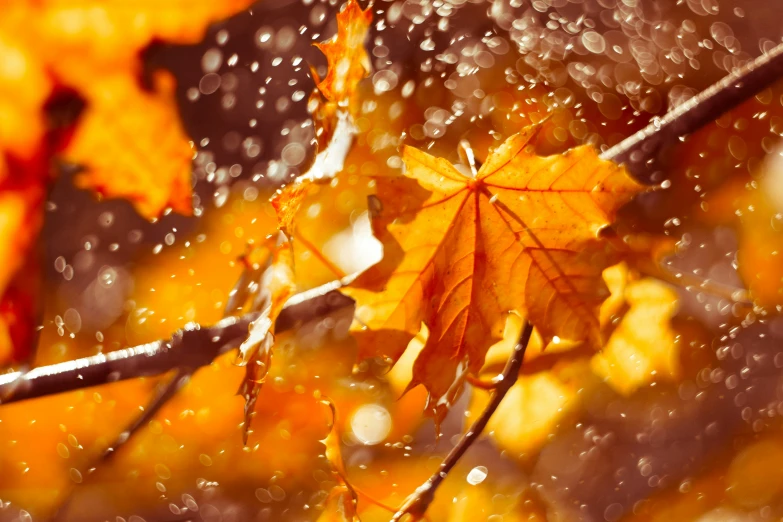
[191,347]
[638,152]
[416,504]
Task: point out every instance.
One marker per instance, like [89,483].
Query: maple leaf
[145,155]
[332,109]
[273,290]
[461,252]
[347,60]
[91,47]
[347,64]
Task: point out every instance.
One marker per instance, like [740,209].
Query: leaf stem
[334,269]
[418,502]
[481,384]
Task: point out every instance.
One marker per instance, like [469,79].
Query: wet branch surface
[641,150]
[416,504]
[192,347]
[195,346]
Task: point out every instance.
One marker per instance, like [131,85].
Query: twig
[165,391]
[640,151]
[416,504]
[191,347]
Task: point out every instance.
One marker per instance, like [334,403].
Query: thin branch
[191,347]
[476,382]
[165,391]
[640,151]
[416,504]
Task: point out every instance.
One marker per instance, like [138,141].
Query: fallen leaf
[459,253]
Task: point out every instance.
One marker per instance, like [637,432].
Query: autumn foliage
[453,250]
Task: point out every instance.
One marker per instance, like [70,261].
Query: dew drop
[477,475]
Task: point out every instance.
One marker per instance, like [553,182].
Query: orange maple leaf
[461,252]
[91,47]
[331,106]
[145,156]
[347,64]
[346,57]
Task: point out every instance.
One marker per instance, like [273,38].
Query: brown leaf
[459,253]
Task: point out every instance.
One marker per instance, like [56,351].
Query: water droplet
[477,475]
[209,83]
[211,60]
[371,423]
[593,42]
[75,475]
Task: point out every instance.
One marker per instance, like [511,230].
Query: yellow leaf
[755,476]
[642,347]
[481,502]
[530,412]
[460,253]
[755,208]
